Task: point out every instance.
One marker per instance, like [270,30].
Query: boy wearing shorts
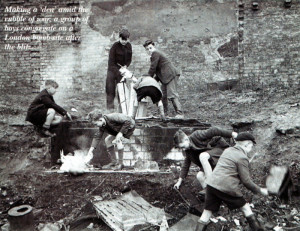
[198,148]
[223,184]
[117,126]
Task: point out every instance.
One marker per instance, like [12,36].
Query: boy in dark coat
[118,126]
[203,148]
[43,110]
[224,183]
[120,54]
[167,74]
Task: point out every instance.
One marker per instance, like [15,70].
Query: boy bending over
[203,148]
[223,184]
[43,110]
[118,126]
[145,86]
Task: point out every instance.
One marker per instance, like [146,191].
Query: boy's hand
[119,136]
[90,153]
[69,116]
[234,135]
[264,191]
[177,185]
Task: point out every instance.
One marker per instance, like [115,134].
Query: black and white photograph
[150,115]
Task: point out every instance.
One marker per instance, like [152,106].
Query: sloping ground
[273,117]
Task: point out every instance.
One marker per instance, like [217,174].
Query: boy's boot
[178,109]
[45,131]
[112,154]
[201,226]
[254,223]
[120,164]
[134,111]
[162,112]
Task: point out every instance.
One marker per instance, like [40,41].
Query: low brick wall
[151,140]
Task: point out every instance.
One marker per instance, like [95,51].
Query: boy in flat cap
[223,184]
[43,111]
[167,74]
[203,148]
[118,126]
[120,54]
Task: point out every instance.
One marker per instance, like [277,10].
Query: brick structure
[209,41]
[152,142]
[269,44]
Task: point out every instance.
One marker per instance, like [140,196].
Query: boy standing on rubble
[43,110]
[223,184]
[167,74]
[118,126]
[203,148]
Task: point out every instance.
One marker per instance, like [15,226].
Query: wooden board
[123,93]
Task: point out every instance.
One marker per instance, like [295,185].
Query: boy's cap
[245,136]
[124,33]
[148,42]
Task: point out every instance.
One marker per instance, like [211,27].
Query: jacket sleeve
[112,63]
[126,121]
[97,137]
[211,132]
[129,58]
[154,62]
[51,104]
[185,168]
[243,170]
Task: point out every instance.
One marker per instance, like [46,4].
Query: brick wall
[146,143]
[26,69]
[209,41]
[270,43]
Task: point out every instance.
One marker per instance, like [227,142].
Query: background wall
[208,40]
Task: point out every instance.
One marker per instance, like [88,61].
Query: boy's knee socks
[201,226]
[112,154]
[121,153]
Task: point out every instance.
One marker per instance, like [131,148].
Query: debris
[294,211]
[164,226]
[182,197]
[145,165]
[49,227]
[221,218]
[275,179]
[237,222]
[214,220]
[187,223]
[277,228]
[128,212]
[74,109]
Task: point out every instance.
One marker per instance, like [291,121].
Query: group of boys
[224,166]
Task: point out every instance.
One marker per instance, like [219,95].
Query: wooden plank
[123,93]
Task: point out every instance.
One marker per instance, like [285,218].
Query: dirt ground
[272,116]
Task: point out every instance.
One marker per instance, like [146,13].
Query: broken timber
[128,212]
